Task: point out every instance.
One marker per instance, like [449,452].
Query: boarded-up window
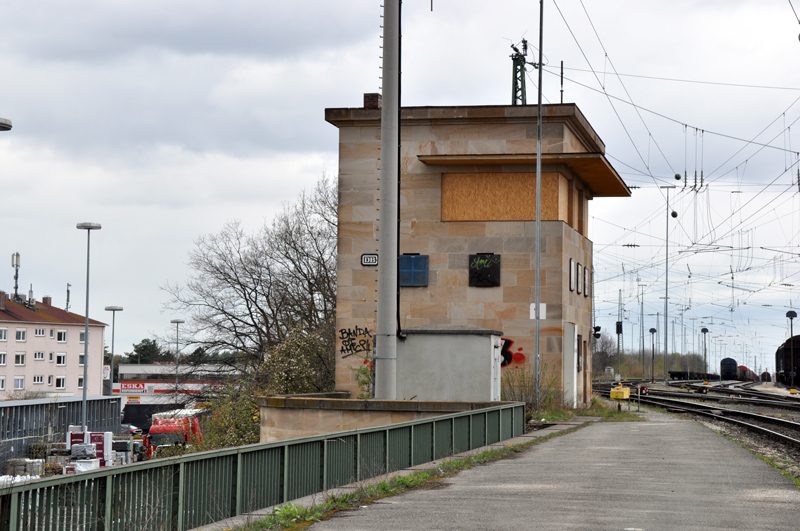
[498,196]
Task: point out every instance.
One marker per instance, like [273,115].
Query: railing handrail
[428,445]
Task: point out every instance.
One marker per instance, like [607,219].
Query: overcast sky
[162,121]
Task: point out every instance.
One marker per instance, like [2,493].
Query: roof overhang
[5,125]
[592,168]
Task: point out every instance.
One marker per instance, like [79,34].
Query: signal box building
[467,224]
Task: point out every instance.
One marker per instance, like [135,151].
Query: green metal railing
[198,489]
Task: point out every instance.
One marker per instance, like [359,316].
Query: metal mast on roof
[15,265]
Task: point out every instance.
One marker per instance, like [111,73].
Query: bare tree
[247,292]
[605,350]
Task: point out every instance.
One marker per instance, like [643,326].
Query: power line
[674,120]
[693,81]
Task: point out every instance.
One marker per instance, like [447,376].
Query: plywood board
[498,196]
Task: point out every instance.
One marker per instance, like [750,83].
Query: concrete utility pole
[537,290]
[386,333]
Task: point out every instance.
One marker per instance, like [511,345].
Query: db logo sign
[369,259]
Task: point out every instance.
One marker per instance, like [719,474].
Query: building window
[50,380]
[39,332]
[19,358]
[38,379]
[80,360]
[2,383]
[61,359]
[83,336]
[2,358]
[51,357]
[22,334]
[586,282]
[61,382]
[52,333]
[579,276]
[3,334]
[80,382]
[413,270]
[571,274]
[19,382]
[61,336]
[38,356]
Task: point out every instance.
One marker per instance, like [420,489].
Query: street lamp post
[791,314]
[88,227]
[177,323]
[652,354]
[113,310]
[705,365]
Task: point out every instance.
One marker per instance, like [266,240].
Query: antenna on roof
[15,265]
[67,308]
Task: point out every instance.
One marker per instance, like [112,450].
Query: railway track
[785,431]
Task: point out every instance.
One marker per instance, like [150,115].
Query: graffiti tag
[508,355]
[355,340]
[483,261]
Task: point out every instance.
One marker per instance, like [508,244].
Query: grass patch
[779,468]
[784,468]
[599,408]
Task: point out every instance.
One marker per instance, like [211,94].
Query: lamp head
[88,225]
[791,314]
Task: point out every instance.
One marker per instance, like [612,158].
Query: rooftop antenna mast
[15,265]
[518,61]
[68,286]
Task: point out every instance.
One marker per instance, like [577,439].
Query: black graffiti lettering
[506,352]
[355,340]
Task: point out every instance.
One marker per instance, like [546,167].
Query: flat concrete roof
[5,124]
[590,166]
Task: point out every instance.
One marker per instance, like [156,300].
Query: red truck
[173,428]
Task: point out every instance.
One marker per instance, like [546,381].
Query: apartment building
[42,350]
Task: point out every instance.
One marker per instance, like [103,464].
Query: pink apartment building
[42,350]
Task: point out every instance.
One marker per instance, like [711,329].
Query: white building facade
[42,350]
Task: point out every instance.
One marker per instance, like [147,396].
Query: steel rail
[705,410]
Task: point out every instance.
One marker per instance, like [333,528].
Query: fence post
[285,473]
[386,449]
[411,446]
[433,440]
[358,456]
[325,464]
[106,501]
[13,513]
[238,504]
[177,489]
[500,426]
